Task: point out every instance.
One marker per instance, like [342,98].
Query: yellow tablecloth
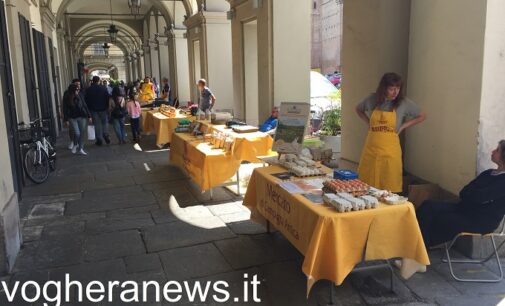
[147,120]
[247,146]
[162,126]
[206,166]
[333,243]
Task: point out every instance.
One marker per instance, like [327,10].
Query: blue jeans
[101,123]
[135,125]
[78,126]
[119,129]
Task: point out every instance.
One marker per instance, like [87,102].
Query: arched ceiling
[166,8]
[100,65]
[113,51]
[90,41]
[98,29]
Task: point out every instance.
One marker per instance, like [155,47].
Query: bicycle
[39,156]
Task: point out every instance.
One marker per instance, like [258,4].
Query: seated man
[270,125]
[480,209]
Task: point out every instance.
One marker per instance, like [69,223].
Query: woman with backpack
[117,110]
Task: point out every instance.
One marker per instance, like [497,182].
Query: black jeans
[135,125]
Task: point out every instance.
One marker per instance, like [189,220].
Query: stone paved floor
[106,217]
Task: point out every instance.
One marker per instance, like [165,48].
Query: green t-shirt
[407,109]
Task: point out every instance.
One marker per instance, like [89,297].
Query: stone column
[179,65]
[62,52]
[10,228]
[155,61]
[282,54]
[127,69]
[147,60]
[212,32]
[140,62]
[134,65]
[164,58]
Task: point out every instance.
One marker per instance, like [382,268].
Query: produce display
[220,141]
[184,126]
[387,196]
[346,202]
[169,111]
[354,187]
[300,166]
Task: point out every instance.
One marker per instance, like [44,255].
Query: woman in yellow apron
[387,112]
[146,93]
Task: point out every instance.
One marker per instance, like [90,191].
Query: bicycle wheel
[36,164]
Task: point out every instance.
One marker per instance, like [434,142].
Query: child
[134,112]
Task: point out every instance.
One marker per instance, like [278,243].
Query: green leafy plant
[332,122]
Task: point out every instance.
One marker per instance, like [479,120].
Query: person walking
[97,100]
[76,114]
[66,96]
[117,110]
[134,112]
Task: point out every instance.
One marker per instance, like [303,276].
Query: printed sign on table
[293,119]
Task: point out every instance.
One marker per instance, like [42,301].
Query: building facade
[327,20]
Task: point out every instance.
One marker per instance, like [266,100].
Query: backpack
[118,112]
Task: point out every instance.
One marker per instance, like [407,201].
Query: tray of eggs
[354,187]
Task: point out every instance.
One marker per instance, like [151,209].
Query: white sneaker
[81,152]
[74,149]
[71,145]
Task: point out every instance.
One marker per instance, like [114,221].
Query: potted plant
[330,129]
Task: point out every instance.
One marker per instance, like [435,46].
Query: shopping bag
[91,132]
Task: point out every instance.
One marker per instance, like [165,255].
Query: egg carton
[371,202]
[346,202]
[306,172]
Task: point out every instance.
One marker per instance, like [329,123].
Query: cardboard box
[417,194]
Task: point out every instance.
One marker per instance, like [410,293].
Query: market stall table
[334,243]
[162,126]
[207,167]
[247,146]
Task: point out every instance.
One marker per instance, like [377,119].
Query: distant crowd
[101,102]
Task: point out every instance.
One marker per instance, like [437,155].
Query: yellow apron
[381,161]
[146,93]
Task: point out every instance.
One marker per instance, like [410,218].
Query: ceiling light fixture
[112,28]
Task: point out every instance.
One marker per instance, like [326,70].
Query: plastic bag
[91,132]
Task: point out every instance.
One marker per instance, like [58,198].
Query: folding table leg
[332,291]
[238,183]
[211,194]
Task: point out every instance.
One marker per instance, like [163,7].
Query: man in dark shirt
[207,98]
[97,100]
